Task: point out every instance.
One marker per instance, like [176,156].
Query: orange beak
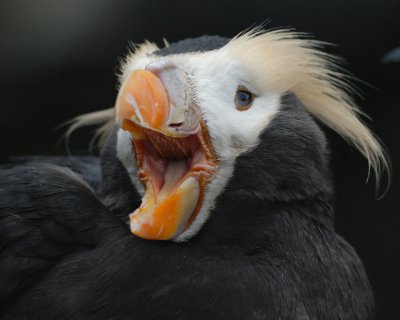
[173,167]
[143,99]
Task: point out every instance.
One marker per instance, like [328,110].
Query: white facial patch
[215,77]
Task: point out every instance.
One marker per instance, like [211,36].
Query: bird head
[188,112]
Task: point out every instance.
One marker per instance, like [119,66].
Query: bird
[212,196]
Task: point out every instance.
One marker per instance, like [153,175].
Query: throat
[241,219]
[175,171]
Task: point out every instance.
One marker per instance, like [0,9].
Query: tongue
[174,172]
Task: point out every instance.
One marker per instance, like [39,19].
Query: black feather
[46,211]
[201,44]
[268,251]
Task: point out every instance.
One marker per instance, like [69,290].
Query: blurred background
[58,59]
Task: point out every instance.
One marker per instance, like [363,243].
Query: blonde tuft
[286,61]
[105,118]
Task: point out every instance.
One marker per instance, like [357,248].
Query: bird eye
[244,98]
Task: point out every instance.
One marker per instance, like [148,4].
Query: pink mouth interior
[168,161]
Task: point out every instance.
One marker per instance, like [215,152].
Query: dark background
[58,59]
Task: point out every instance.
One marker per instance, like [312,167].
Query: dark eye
[244,98]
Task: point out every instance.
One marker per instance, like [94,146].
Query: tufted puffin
[212,197]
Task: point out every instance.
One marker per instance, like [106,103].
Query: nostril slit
[176,125]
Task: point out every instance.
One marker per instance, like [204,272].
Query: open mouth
[174,172]
[174,155]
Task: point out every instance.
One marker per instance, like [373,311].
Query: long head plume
[286,61]
[105,118]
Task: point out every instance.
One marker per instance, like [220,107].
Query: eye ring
[243,98]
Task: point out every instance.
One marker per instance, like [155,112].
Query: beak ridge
[144,100]
[159,98]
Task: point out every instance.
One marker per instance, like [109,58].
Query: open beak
[174,154]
